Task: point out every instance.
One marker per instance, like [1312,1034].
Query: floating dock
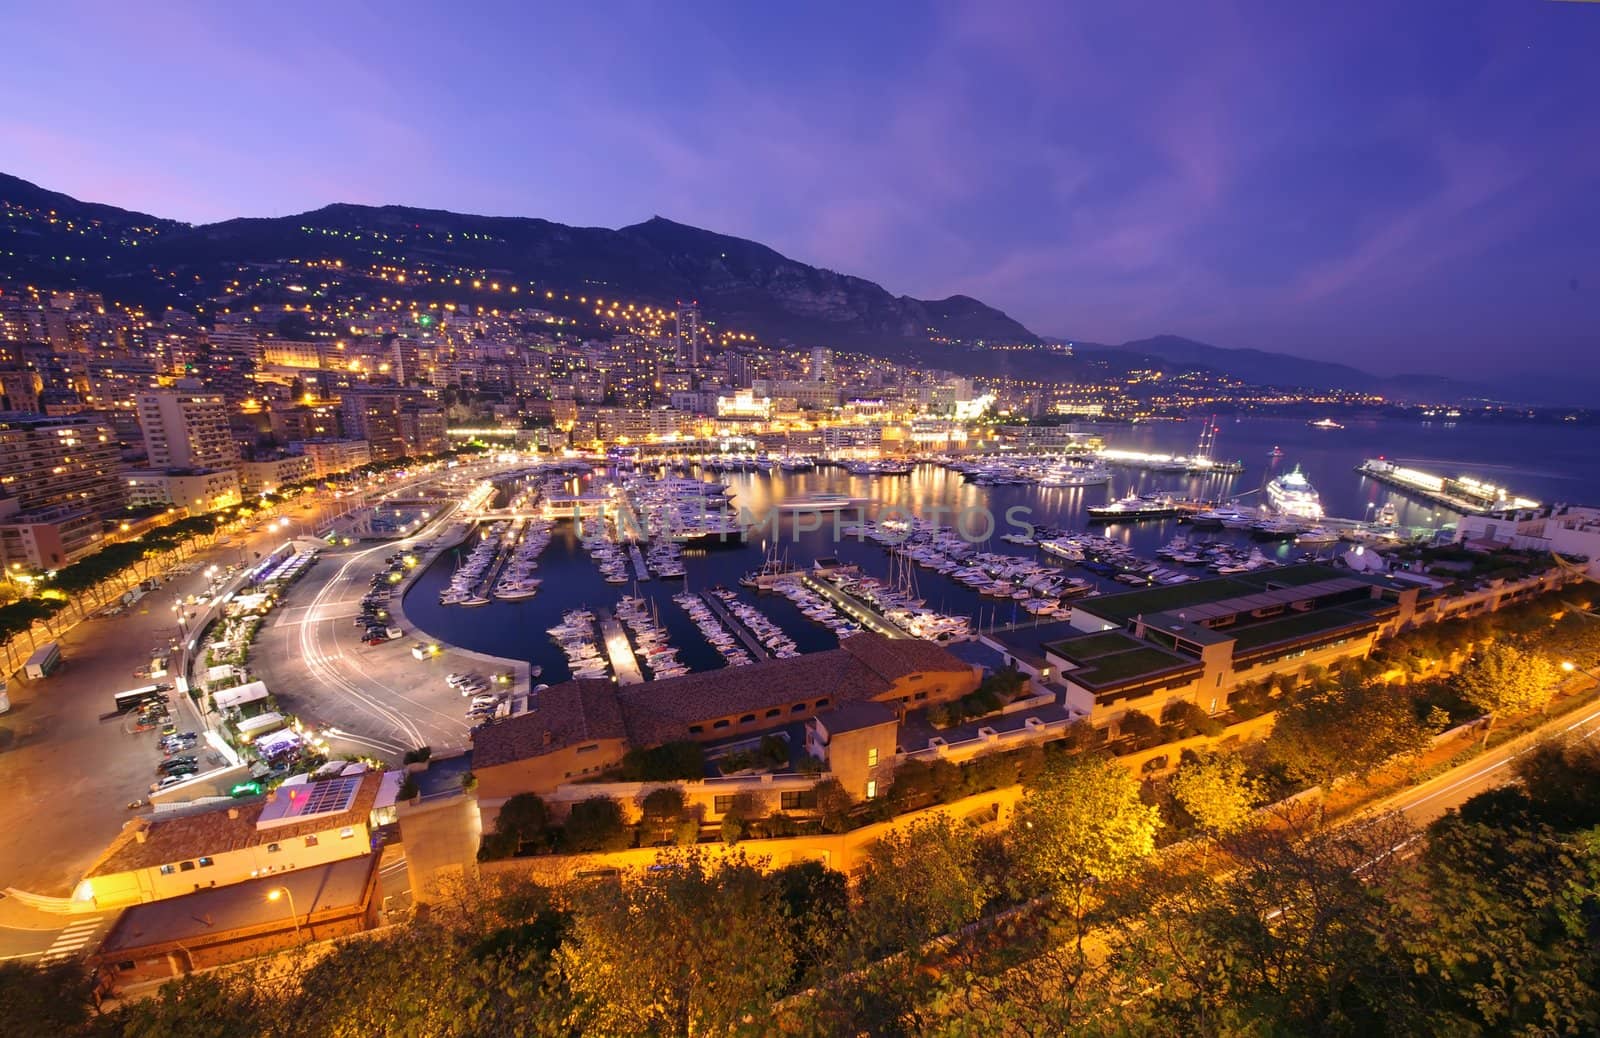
[720,609]
[855,608]
[623,662]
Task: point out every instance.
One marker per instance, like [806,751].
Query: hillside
[52,238]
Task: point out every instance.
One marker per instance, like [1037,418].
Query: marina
[934,535]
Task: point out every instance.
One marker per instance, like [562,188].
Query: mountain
[1260,367]
[741,285]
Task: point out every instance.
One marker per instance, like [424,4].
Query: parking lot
[70,769]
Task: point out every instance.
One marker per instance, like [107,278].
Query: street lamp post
[294,917]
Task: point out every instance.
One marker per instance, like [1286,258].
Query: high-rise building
[394,422]
[821,364]
[630,372]
[186,428]
[688,337]
[58,480]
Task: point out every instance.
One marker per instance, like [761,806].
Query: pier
[720,610]
[637,556]
[623,662]
[854,608]
[1461,494]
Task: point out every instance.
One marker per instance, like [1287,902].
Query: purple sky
[1404,186]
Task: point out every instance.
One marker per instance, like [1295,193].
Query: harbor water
[1544,462]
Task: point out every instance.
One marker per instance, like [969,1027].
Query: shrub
[408,788]
[596,825]
[670,762]
[419,755]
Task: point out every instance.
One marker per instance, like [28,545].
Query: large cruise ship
[1293,495]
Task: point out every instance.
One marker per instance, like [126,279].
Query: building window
[696,729]
[206,863]
[311,841]
[347,832]
[721,724]
[872,757]
[273,848]
[822,702]
[872,788]
[798,708]
[722,805]
[774,712]
[747,719]
[187,866]
[167,870]
[798,800]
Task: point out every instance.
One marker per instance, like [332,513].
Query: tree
[1339,731]
[1504,927]
[1562,781]
[51,999]
[833,805]
[1506,679]
[523,819]
[661,809]
[917,883]
[684,948]
[595,825]
[1217,792]
[746,808]
[1083,822]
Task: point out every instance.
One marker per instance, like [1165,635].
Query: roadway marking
[71,940]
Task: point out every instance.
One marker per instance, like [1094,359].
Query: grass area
[1126,606]
[1300,625]
[1120,666]
[1288,576]
[1090,646]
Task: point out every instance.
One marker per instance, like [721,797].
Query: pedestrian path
[71,941]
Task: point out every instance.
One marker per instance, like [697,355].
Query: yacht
[1075,476]
[1293,495]
[1325,423]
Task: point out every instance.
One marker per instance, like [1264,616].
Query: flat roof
[1109,658]
[216,912]
[1186,599]
[1299,626]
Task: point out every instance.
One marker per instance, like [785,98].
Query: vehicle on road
[43,662]
[139,697]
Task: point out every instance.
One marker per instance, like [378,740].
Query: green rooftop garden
[1092,645]
[1297,625]
[1122,666]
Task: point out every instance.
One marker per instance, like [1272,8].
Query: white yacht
[1293,495]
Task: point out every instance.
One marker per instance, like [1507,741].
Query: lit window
[872,757]
[346,832]
[167,870]
[872,788]
[273,848]
[206,863]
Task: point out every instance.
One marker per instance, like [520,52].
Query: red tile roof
[219,830]
[570,713]
[863,667]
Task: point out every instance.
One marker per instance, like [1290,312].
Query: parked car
[459,678]
[163,783]
[174,764]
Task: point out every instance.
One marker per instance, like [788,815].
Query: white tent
[230,698]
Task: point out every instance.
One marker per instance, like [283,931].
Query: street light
[294,917]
